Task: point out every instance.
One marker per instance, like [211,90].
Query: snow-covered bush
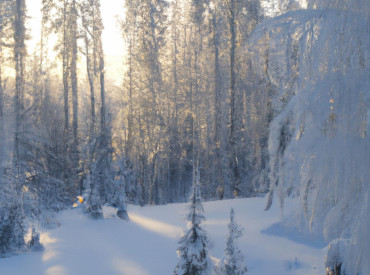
[34,242]
[335,256]
[233,260]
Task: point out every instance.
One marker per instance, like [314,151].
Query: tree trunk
[73,26]
[130,115]
[19,53]
[65,68]
[174,148]
[102,88]
[91,85]
[2,137]
[234,166]
[217,162]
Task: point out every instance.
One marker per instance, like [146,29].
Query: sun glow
[113,43]
[161,228]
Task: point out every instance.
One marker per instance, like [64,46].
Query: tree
[129,28]
[94,202]
[19,58]
[5,15]
[92,25]
[193,253]
[62,18]
[106,185]
[336,253]
[34,242]
[73,74]
[330,196]
[11,212]
[178,73]
[232,10]
[11,227]
[144,28]
[233,261]
[66,59]
[88,23]
[216,26]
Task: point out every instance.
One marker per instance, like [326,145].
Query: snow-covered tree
[34,243]
[11,228]
[233,260]
[193,253]
[319,142]
[106,184]
[94,203]
[335,256]
[119,200]
[358,254]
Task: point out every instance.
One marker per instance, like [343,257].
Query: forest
[248,98]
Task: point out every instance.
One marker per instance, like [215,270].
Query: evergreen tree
[233,261]
[193,254]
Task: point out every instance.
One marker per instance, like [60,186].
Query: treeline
[190,95]
[232,89]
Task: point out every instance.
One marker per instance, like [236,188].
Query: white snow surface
[147,244]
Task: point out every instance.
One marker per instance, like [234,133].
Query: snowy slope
[147,244]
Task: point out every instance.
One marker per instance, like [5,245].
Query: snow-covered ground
[147,244]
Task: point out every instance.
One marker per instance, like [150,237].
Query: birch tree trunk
[19,54]
[218,146]
[2,156]
[1,107]
[65,54]
[234,166]
[73,41]
[90,77]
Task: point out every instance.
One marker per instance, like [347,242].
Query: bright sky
[271,5]
[112,39]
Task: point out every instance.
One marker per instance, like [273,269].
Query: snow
[147,244]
